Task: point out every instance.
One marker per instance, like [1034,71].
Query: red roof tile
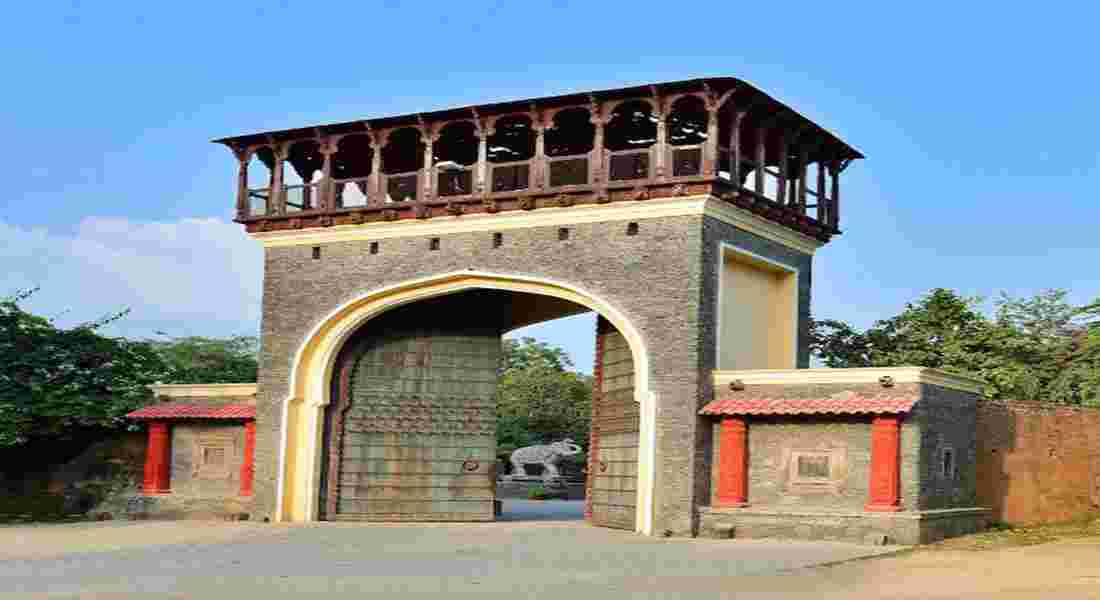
[183,410]
[843,403]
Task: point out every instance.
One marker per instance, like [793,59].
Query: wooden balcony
[717,137]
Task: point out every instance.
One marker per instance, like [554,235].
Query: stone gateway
[397,251]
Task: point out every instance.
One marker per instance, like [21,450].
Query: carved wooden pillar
[784,176]
[597,166]
[244,157]
[278,191]
[481,172]
[710,149]
[248,465]
[662,148]
[375,193]
[885,443]
[803,168]
[428,135]
[539,169]
[158,459]
[326,189]
[735,147]
[733,462]
[760,157]
[834,205]
[822,208]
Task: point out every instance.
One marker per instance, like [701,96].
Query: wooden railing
[802,194]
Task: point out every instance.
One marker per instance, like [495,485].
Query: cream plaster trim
[861,375]
[313,364]
[209,390]
[545,217]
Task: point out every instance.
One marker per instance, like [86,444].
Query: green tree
[57,383]
[196,359]
[1037,348]
[538,399]
[528,352]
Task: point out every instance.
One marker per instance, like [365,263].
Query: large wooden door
[411,436]
[615,421]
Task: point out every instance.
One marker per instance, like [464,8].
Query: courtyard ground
[557,557]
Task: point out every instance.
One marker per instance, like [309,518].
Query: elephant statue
[547,455]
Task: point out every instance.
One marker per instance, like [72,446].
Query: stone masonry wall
[947,421]
[655,278]
[714,233]
[1037,462]
[771,439]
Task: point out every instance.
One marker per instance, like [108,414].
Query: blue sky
[978,120]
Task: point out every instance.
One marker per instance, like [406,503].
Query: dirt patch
[1009,536]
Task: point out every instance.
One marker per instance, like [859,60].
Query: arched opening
[261,170]
[687,132]
[510,148]
[316,377]
[568,144]
[352,165]
[434,419]
[454,153]
[402,160]
[300,181]
[631,132]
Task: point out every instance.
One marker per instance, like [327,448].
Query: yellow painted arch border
[299,468]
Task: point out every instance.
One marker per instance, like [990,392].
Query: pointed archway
[301,445]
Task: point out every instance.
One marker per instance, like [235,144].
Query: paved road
[548,510]
[528,559]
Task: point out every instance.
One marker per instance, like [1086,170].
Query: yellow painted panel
[757,320]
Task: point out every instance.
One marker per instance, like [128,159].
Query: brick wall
[1037,462]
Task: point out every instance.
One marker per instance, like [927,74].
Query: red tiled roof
[843,403]
[183,410]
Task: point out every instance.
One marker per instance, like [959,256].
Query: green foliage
[526,353]
[1038,348]
[210,360]
[54,382]
[59,383]
[537,493]
[538,400]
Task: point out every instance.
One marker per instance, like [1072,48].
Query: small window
[498,240]
[563,233]
[632,229]
[213,457]
[433,244]
[947,464]
[813,466]
[374,247]
[316,253]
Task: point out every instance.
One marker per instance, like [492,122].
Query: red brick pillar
[733,462]
[158,459]
[885,444]
[248,467]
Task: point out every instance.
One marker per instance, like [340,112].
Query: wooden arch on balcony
[716,136]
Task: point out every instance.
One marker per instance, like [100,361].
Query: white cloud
[198,276]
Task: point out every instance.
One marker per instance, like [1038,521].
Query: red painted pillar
[733,462]
[885,445]
[248,467]
[158,459]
